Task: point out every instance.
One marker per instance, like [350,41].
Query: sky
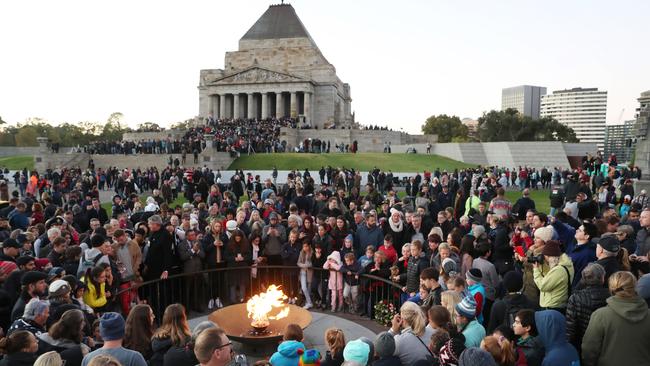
[71,61]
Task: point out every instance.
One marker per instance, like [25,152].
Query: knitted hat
[449,265]
[476,357]
[356,351]
[552,248]
[544,233]
[309,357]
[467,307]
[474,274]
[349,237]
[451,350]
[385,345]
[7,267]
[643,286]
[231,225]
[111,326]
[41,263]
[513,281]
[610,243]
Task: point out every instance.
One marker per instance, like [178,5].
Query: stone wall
[16,150]
[368,140]
[211,159]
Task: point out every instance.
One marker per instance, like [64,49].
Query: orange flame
[260,306]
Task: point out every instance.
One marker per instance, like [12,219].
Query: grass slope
[17,162]
[542,202]
[361,161]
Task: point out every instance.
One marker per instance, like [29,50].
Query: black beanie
[513,281]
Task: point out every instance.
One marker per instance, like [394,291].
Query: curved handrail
[259,267]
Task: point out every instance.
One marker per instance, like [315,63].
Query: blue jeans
[305,286]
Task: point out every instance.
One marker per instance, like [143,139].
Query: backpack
[87,264]
[510,314]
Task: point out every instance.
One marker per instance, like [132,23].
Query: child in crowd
[335,341]
[306,273]
[394,274]
[429,279]
[335,282]
[423,293]
[351,270]
[290,349]
[366,259]
[347,246]
[319,284]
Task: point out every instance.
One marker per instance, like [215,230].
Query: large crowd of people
[474,277]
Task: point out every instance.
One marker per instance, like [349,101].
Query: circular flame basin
[234,321]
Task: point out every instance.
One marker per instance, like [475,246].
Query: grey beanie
[643,286]
[385,345]
[476,357]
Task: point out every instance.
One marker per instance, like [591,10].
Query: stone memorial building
[278,71]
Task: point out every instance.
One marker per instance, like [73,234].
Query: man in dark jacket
[503,311]
[606,252]
[584,302]
[34,286]
[584,249]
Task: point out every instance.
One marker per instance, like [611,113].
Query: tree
[446,127]
[510,125]
[149,127]
[113,129]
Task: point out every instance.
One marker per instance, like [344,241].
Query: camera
[535,259]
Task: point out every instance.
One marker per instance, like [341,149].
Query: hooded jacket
[552,332]
[618,334]
[287,354]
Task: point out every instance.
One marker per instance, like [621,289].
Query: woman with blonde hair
[174,331]
[335,341]
[51,358]
[411,334]
[500,348]
[449,299]
[104,360]
[617,333]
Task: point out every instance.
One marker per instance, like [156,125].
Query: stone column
[307,108]
[250,108]
[265,105]
[235,106]
[211,106]
[222,106]
[279,105]
[293,111]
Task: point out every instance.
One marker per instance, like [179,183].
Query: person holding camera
[555,285]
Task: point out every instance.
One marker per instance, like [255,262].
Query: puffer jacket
[579,308]
[413,270]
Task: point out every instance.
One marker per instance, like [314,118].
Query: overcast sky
[404,60]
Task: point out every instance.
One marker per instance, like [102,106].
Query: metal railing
[237,284]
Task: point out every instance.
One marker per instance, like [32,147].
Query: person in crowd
[274,235]
[503,311]
[490,277]
[467,322]
[356,353]
[551,327]
[607,253]
[411,334]
[96,295]
[184,355]
[306,273]
[51,358]
[19,349]
[351,269]
[554,285]
[501,349]
[33,286]
[139,330]
[335,342]
[191,254]
[174,331]
[583,302]
[34,318]
[291,348]
[385,350]
[213,348]
[584,249]
[238,254]
[613,334]
[527,341]
[335,281]
[111,329]
[476,356]
[66,337]
[474,278]
[439,319]
[104,360]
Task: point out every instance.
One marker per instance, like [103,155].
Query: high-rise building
[643,115]
[582,109]
[523,98]
[620,139]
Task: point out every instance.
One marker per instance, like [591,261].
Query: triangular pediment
[255,75]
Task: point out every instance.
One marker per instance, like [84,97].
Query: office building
[620,140]
[523,98]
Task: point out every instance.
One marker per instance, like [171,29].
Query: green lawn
[542,202]
[17,162]
[361,161]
